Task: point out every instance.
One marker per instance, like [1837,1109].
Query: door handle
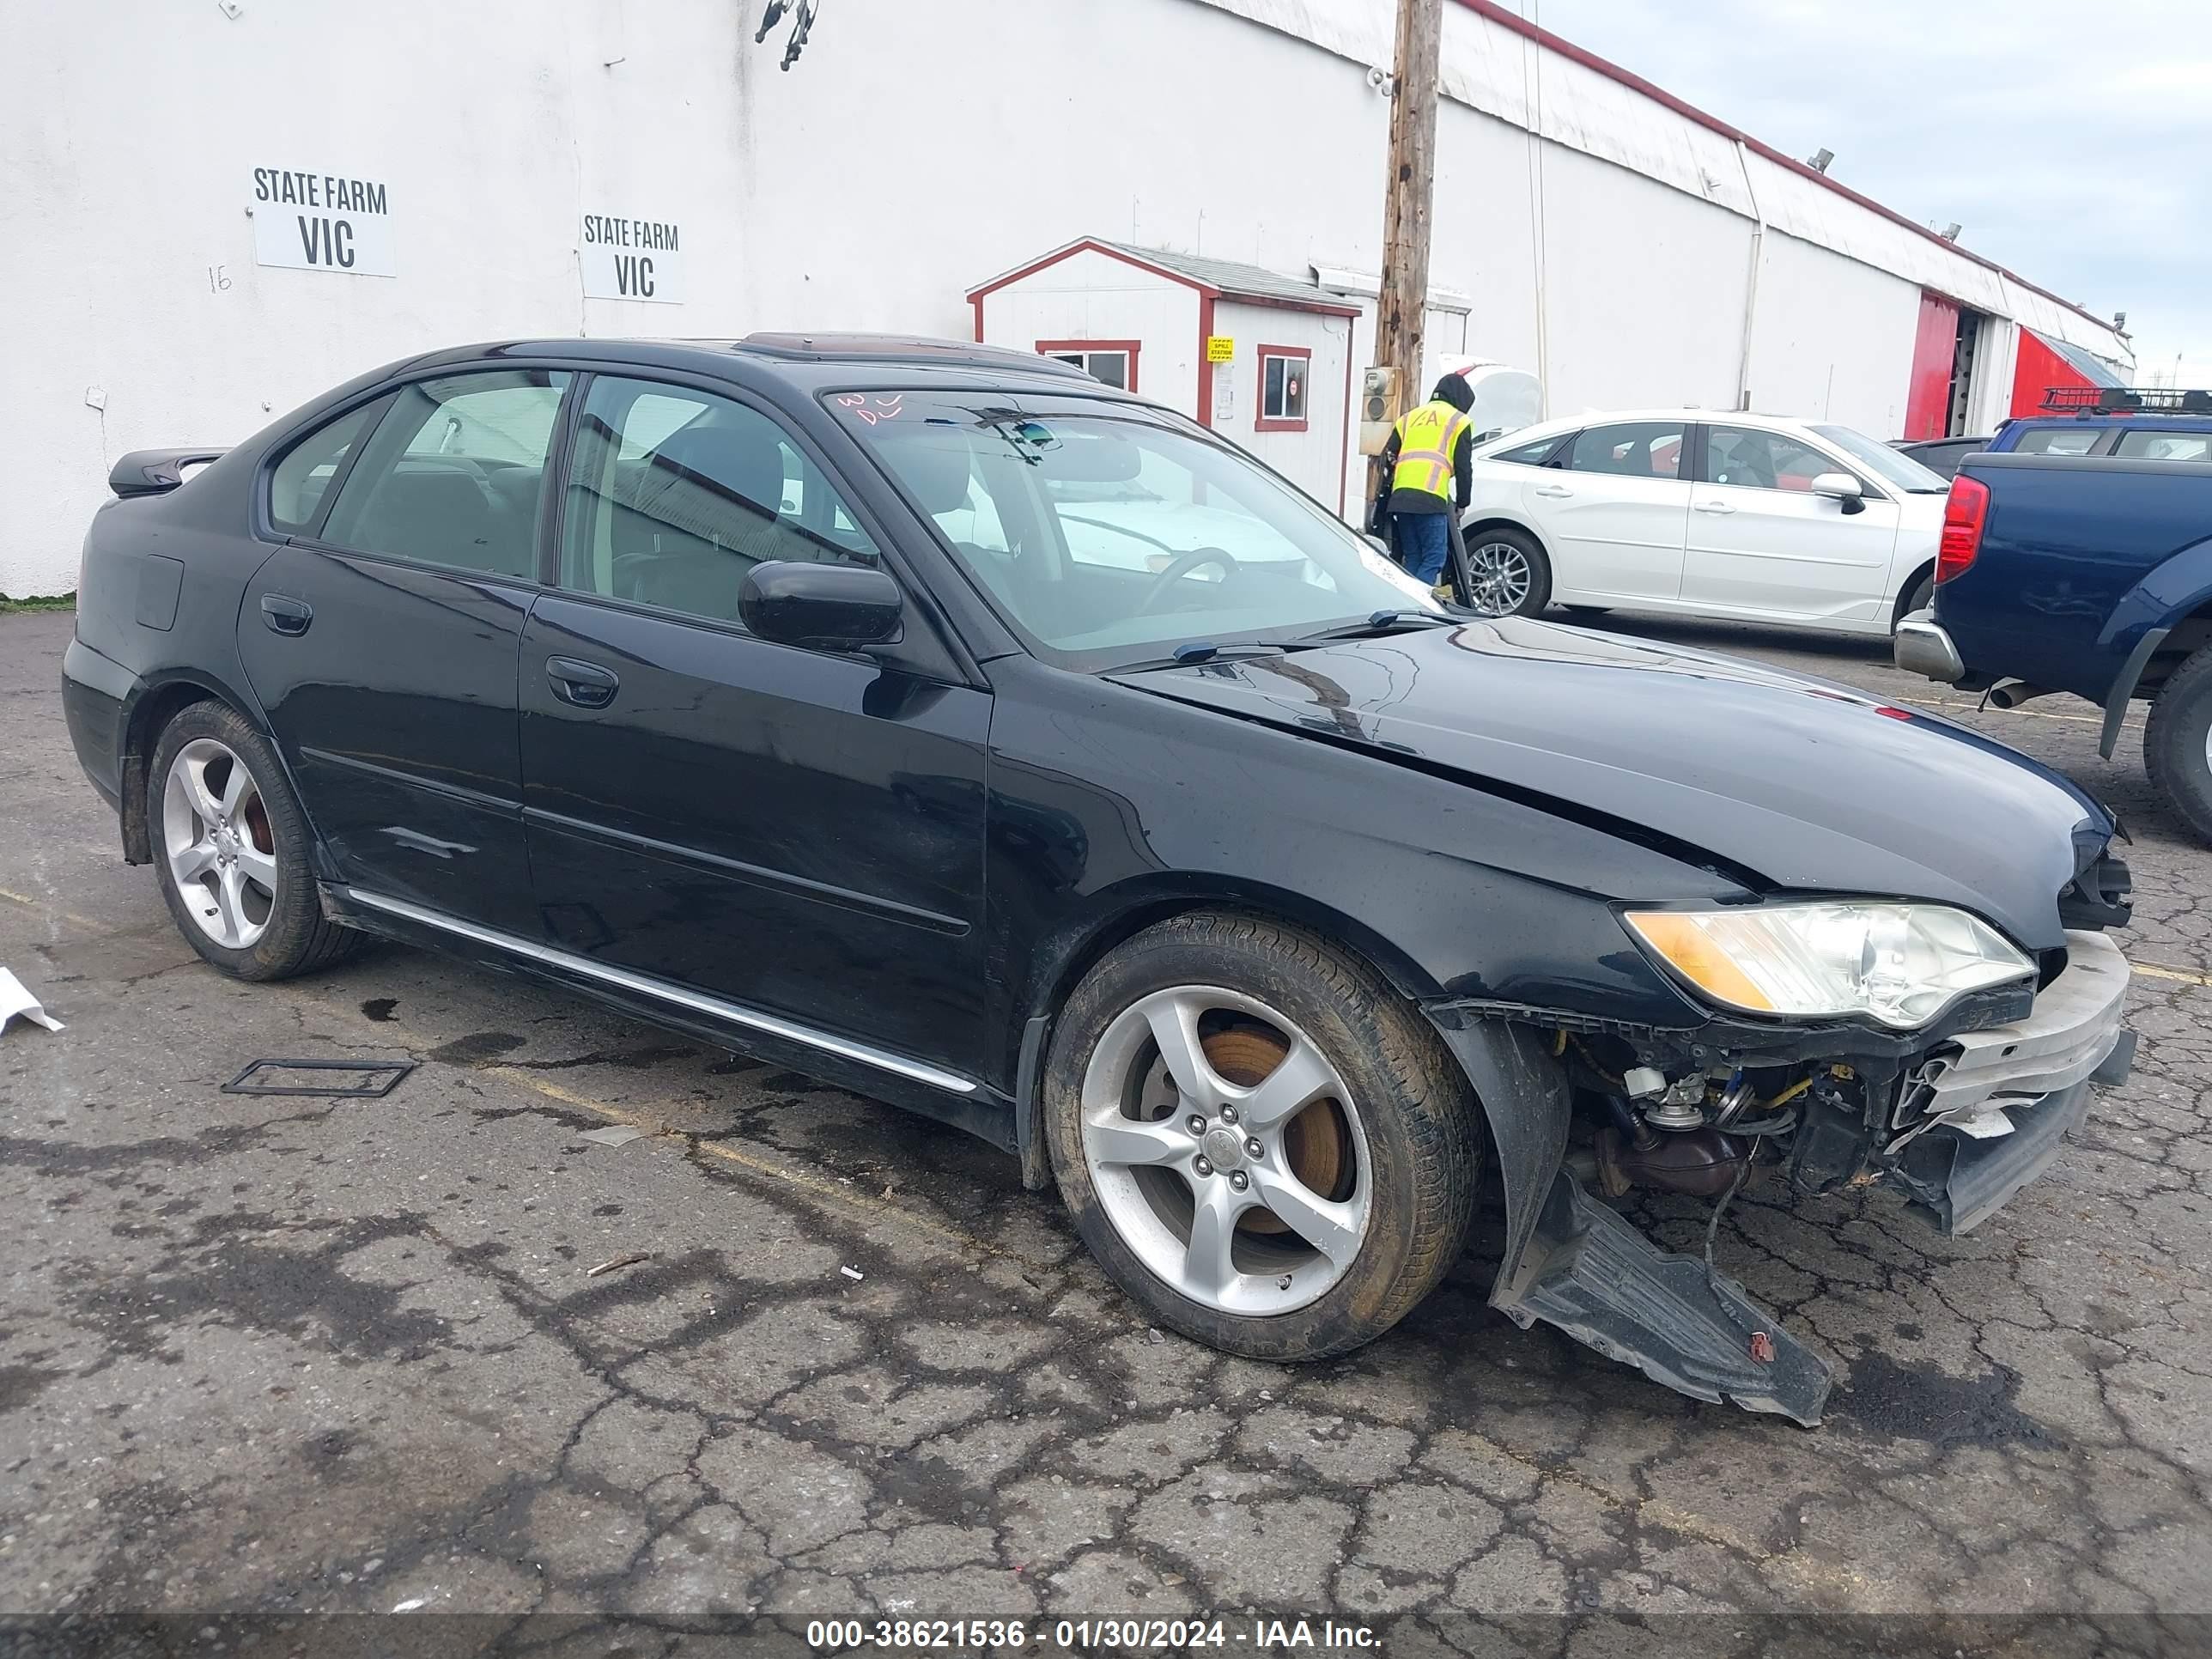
[285,615]
[1553,489]
[1715,506]
[585,684]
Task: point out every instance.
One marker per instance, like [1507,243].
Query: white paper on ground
[16,999]
[616,1134]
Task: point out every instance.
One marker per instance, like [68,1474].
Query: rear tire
[1508,573]
[1368,1135]
[230,850]
[1922,596]
[2178,741]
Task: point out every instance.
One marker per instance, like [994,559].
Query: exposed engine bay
[1694,1117]
[1957,1116]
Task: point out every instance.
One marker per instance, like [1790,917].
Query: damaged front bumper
[1967,1125]
[1985,1115]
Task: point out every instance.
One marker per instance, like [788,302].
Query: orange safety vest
[1426,438]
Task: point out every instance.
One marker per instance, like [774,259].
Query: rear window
[2150,446]
[2059,441]
[299,487]
[1527,455]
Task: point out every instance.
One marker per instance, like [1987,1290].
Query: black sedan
[942,722]
[1940,455]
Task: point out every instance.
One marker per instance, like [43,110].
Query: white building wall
[915,150]
[1808,350]
[1642,291]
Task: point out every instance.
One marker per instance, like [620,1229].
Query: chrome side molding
[662,991]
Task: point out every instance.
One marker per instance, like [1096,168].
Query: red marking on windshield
[872,409]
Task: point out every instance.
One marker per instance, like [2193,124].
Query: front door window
[674,495]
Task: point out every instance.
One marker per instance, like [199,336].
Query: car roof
[808,362]
[1559,423]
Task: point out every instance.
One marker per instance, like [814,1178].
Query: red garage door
[1935,349]
[2041,369]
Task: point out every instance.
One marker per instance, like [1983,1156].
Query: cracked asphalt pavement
[265,1356]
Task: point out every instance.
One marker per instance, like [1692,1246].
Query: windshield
[1107,534]
[1886,463]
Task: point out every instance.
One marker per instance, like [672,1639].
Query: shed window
[1113,362]
[1284,372]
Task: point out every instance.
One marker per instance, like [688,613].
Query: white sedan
[1750,517]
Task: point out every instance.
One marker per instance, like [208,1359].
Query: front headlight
[1902,964]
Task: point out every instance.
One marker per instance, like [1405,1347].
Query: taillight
[1964,515]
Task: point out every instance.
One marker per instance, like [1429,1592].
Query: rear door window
[454,472]
[1636,449]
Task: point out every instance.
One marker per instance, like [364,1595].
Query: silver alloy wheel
[1206,1176]
[216,836]
[1499,575]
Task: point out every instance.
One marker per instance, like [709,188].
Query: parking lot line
[2129,724]
[830,1191]
[2158,970]
[69,917]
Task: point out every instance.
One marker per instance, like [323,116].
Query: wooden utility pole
[1402,310]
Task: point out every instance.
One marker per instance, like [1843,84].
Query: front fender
[1580,1267]
[1525,1102]
[2170,593]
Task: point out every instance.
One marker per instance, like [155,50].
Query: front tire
[230,850]
[1508,572]
[2178,741]
[1261,1142]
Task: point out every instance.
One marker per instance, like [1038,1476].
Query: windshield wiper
[1192,652]
[1383,622]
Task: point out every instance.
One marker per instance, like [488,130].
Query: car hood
[1798,783]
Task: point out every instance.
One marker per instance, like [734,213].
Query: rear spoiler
[152,471]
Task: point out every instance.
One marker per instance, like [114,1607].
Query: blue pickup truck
[2077,556]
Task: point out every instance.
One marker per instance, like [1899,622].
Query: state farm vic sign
[628,258]
[307,219]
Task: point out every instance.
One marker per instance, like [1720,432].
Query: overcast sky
[2072,140]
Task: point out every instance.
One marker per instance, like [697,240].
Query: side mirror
[1843,487]
[822,607]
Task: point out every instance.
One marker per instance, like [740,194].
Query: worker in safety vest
[1427,474]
